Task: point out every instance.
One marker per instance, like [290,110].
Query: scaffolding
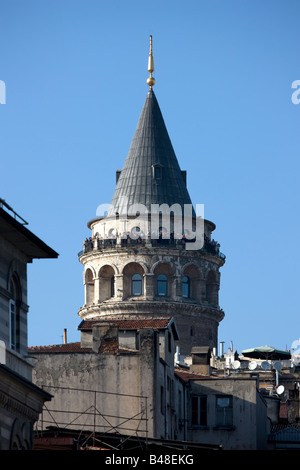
[96,416]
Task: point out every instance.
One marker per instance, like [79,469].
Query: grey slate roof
[151,146]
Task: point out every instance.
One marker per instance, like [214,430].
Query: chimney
[177,356]
[201,360]
[105,338]
[65,335]
[222,349]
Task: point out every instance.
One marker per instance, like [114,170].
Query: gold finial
[151,80]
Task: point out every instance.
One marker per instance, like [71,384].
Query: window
[224,415]
[157,172]
[185,287]
[137,284]
[13,324]
[162,285]
[199,410]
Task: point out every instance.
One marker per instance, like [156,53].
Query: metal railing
[180,244]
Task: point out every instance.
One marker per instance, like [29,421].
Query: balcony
[100,244]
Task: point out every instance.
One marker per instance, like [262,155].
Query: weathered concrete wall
[117,389]
[75,379]
[133,391]
[249,427]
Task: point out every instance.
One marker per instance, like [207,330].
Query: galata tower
[150,253]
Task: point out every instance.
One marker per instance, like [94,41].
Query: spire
[151,80]
[151,173]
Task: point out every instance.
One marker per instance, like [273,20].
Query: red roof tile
[187,375]
[128,324]
[109,346]
[59,348]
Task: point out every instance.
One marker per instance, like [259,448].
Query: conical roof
[151,173]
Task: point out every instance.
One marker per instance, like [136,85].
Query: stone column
[119,287]
[96,290]
[149,286]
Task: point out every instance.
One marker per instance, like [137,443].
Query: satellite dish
[236,364]
[252,365]
[280,389]
[265,365]
[277,365]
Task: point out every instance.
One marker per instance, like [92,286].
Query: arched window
[89,287]
[13,323]
[185,287]
[162,285]
[106,283]
[136,284]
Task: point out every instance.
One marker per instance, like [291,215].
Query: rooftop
[151,172]
[12,227]
[128,324]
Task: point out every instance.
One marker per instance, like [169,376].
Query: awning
[267,352]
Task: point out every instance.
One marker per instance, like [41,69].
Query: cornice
[150,308]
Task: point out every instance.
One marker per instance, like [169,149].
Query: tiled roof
[128,324]
[59,348]
[24,239]
[107,347]
[187,375]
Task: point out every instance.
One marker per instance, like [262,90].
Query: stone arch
[133,271]
[196,285]
[106,282]
[166,267]
[193,268]
[92,270]
[12,273]
[133,265]
[212,288]
[89,283]
[112,265]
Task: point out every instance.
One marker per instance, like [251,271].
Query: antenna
[280,389]
[277,365]
[265,365]
[253,365]
[236,364]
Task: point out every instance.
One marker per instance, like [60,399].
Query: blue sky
[75,73]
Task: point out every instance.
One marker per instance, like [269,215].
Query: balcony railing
[180,244]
